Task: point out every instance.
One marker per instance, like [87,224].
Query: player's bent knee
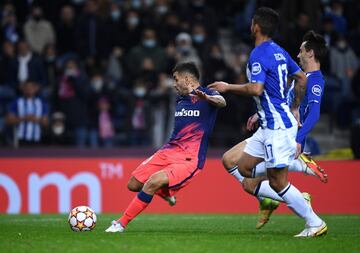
[156,181]
[228,160]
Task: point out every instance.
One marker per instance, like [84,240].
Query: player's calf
[134,185]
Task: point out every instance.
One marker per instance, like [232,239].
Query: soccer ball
[82,218]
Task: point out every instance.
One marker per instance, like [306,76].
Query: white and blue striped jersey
[270,65]
[21,107]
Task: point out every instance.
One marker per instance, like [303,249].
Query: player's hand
[251,123]
[298,150]
[295,112]
[201,94]
[218,86]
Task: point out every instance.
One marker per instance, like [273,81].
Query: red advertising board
[51,185]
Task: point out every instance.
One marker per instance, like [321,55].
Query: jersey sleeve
[314,90]
[309,123]
[211,92]
[257,68]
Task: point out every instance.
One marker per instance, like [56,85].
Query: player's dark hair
[267,19]
[187,67]
[317,43]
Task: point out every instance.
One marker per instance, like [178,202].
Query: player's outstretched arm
[248,89]
[216,100]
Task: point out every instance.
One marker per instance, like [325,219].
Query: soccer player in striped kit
[274,142]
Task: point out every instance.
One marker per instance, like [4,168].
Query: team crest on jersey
[255,68]
[316,90]
[194,98]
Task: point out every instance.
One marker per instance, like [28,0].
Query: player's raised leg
[141,201]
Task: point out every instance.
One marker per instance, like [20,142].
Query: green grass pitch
[177,233]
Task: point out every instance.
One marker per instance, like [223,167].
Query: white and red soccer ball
[82,218]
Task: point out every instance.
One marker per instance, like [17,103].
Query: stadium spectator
[28,114]
[38,31]
[185,51]
[71,98]
[10,31]
[344,64]
[27,65]
[148,49]
[65,31]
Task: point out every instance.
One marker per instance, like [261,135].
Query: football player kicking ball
[175,164]
[274,142]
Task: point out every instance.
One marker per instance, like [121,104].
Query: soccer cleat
[313,231]
[115,227]
[312,168]
[267,206]
[171,200]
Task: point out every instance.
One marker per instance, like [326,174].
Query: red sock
[137,205]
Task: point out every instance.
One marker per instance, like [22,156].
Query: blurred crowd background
[97,73]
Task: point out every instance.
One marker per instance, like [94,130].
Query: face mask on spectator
[97,84]
[133,21]
[50,58]
[78,1]
[116,15]
[148,2]
[198,38]
[136,4]
[140,91]
[161,9]
[37,17]
[184,48]
[149,43]
[71,72]
[341,44]
[58,128]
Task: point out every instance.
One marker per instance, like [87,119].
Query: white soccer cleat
[171,200]
[115,227]
[313,231]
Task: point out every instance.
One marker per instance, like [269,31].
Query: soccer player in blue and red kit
[175,164]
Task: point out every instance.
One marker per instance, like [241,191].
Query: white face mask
[58,128]
[140,91]
[162,9]
[149,43]
[97,84]
[133,21]
[116,15]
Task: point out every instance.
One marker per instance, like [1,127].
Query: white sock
[259,170]
[295,166]
[235,172]
[296,202]
[263,189]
